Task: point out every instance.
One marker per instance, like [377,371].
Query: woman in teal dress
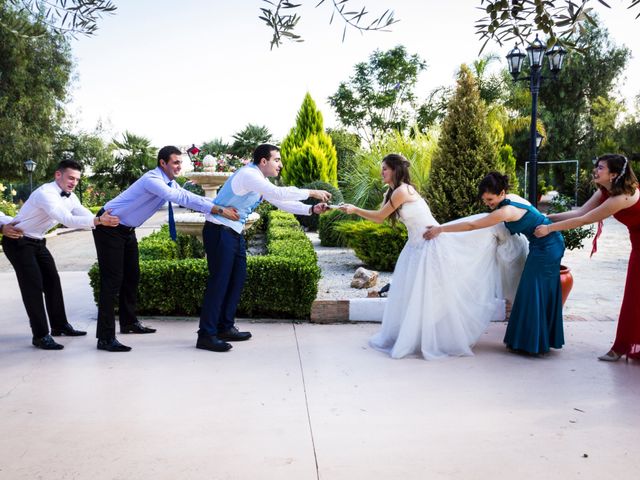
[535,323]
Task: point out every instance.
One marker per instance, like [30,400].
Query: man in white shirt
[225,247]
[48,205]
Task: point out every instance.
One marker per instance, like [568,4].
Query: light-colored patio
[304,401]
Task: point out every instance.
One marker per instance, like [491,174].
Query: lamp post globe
[30,165]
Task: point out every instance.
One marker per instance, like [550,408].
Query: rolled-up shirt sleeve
[297,208]
[253,181]
[51,203]
[178,195]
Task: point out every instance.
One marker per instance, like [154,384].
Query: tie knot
[65,194]
[170,183]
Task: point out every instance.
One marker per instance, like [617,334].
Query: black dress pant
[37,277]
[117,249]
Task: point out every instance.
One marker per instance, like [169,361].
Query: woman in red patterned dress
[617,195]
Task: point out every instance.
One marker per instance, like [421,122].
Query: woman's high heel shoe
[612,356]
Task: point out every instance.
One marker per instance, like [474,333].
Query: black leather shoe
[136,328]
[212,343]
[233,335]
[112,345]
[67,330]
[46,343]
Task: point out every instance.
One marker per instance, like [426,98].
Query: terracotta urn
[566,282]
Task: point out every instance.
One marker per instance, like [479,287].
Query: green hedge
[327,231]
[377,245]
[281,284]
[159,246]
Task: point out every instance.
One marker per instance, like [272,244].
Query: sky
[189,71]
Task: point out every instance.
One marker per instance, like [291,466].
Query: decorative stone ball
[209,163]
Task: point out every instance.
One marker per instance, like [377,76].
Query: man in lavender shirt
[117,248]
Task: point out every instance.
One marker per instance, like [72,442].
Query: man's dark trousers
[117,249]
[227,262]
[37,275]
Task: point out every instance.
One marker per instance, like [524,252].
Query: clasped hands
[107,220]
[324,197]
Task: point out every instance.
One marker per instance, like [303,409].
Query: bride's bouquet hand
[432,232]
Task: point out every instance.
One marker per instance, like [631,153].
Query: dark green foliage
[307,151]
[134,157]
[34,78]
[215,147]
[327,228]
[465,154]
[507,165]
[377,245]
[246,140]
[311,221]
[281,284]
[347,146]
[379,97]
[159,246]
[572,238]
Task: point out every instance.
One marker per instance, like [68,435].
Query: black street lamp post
[30,165]
[515,58]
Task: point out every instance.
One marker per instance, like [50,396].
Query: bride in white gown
[444,291]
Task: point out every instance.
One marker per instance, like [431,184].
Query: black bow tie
[65,194]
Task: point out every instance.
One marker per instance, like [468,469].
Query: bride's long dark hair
[400,168]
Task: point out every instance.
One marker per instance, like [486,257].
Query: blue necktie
[172,223]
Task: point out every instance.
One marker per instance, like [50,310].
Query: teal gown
[535,323]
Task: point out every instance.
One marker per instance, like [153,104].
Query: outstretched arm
[592,203]
[608,208]
[400,196]
[495,217]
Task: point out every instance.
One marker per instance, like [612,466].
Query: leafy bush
[8,208]
[327,228]
[159,246]
[572,238]
[377,245]
[282,284]
[363,184]
[193,188]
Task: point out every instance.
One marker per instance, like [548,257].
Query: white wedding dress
[445,291]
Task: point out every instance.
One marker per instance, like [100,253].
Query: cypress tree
[307,152]
[465,154]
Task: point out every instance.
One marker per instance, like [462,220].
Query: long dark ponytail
[400,168]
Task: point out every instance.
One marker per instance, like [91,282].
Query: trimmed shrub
[377,245]
[307,151]
[329,234]
[465,154]
[159,246]
[311,221]
[281,284]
